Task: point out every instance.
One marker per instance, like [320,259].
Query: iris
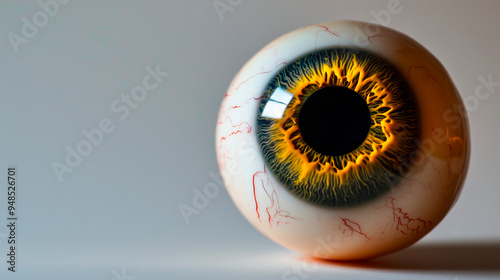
[338,126]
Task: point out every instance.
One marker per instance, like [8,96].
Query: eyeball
[344,141]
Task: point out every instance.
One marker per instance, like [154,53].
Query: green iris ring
[347,180]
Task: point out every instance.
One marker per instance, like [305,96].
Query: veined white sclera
[394,178]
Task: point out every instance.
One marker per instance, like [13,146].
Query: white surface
[119,208]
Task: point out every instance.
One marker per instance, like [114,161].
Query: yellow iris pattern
[372,168]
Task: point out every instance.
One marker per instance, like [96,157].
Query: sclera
[389,223]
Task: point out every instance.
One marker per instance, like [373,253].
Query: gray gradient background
[116,215]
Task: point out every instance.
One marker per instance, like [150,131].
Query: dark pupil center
[334,120]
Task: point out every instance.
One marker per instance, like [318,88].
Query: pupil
[334,120]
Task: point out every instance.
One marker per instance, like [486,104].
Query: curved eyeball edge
[392,222]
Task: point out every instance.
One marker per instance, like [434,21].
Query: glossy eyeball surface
[344,140]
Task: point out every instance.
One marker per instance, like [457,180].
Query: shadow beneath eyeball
[456,256]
